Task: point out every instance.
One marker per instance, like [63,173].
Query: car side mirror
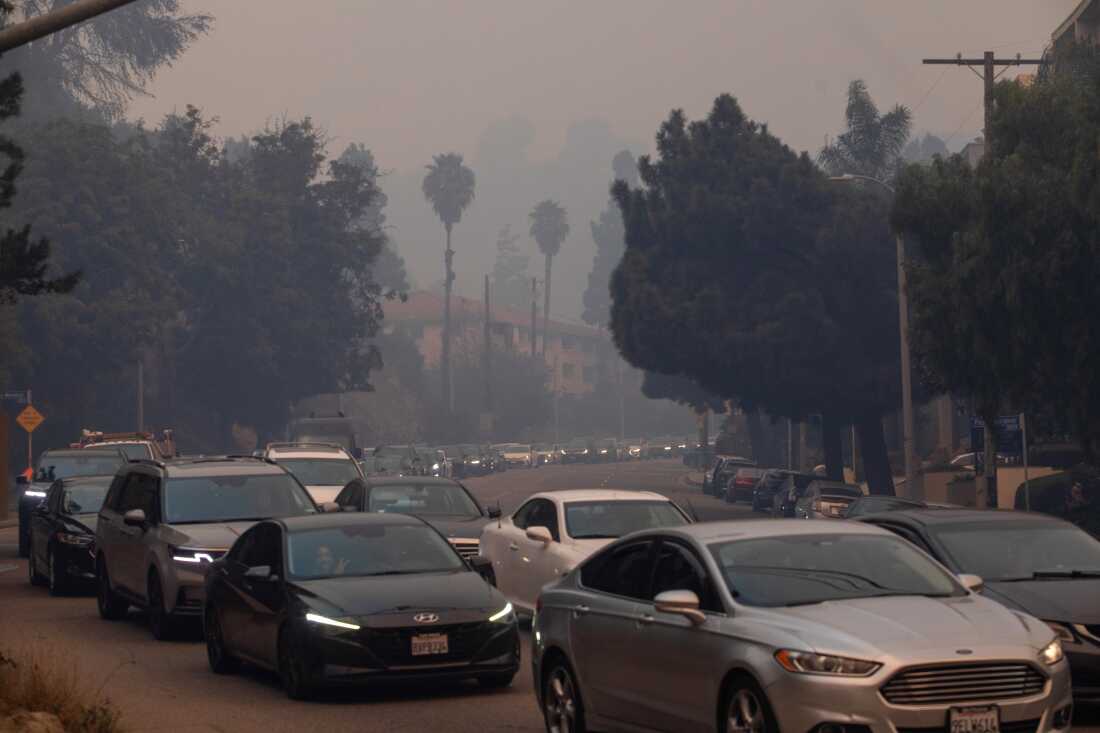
[682,602]
[329,507]
[493,512]
[21,480]
[135,518]
[540,534]
[260,572]
[483,566]
[971,582]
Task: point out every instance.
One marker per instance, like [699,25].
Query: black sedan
[443,503]
[1031,562]
[344,599]
[62,534]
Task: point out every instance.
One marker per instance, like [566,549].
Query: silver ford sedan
[800,627]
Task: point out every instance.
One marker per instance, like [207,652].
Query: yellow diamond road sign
[29,419]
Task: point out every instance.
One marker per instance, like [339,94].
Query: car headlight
[585,451]
[435,466]
[191,556]
[316,618]
[1061,631]
[475,462]
[34,494]
[504,615]
[827,664]
[1052,653]
[603,450]
[79,540]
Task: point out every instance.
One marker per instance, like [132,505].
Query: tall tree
[549,228]
[607,234]
[871,143]
[511,283]
[449,188]
[104,62]
[389,267]
[924,149]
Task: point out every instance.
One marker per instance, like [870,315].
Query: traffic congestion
[878,617]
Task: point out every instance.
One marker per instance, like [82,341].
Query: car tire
[33,575]
[562,708]
[112,607]
[161,623]
[496,681]
[297,682]
[57,580]
[745,707]
[221,661]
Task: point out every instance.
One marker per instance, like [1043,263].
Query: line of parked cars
[909,619]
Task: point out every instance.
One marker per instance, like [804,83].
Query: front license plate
[975,720]
[425,644]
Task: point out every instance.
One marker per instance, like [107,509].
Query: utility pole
[989,64]
[534,319]
[40,26]
[486,366]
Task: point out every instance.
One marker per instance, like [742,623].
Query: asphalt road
[167,686]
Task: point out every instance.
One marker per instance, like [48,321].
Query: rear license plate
[426,644]
[975,720]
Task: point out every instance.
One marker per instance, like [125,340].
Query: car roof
[568,495]
[215,466]
[373,481]
[745,529]
[347,519]
[944,517]
[79,452]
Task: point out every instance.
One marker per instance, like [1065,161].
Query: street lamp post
[911,487]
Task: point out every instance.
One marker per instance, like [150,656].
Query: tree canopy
[607,234]
[549,226]
[511,283]
[872,143]
[449,187]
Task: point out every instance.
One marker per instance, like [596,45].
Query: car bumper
[190,590]
[1084,665]
[804,702]
[78,562]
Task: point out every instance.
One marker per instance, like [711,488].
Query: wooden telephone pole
[989,75]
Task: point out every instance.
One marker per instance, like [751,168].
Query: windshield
[543,447]
[86,496]
[321,471]
[133,451]
[803,569]
[369,549]
[94,463]
[999,551]
[233,498]
[422,499]
[874,504]
[610,519]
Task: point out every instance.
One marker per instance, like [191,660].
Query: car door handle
[579,611]
[645,620]
[513,547]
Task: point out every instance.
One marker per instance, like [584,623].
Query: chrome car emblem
[426,618]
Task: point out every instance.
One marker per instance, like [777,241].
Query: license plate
[975,720]
[425,644]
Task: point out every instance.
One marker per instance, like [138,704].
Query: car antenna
[694,514]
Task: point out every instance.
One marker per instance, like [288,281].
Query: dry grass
[42,679]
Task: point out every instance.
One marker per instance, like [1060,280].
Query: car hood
[217,536]
[913,624]
[458,528]
[460,592]
[1070,600]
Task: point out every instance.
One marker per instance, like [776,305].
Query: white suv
[323,468]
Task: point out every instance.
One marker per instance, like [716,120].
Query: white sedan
[552,532]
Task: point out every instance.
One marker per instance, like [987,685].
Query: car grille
[393,647]
[467,548]
[1020,726]
[956,683]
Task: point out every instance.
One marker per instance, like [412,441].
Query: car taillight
[744,482]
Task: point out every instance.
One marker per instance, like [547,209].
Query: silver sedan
[771,626]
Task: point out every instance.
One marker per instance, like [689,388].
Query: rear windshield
[589,520]
[134,451]
[234,498]
[423,500]
[321,471]
[93,463]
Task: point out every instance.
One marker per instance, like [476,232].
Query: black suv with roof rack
[163,524]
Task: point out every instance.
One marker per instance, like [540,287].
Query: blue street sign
[17,397]
[1010,435]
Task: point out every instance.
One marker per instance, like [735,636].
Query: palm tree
[872,143]
[549,227]
[449,188]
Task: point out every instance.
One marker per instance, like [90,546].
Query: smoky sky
[410,78]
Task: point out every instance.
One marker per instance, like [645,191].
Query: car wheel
[161,622]
[562,709]
[745,709]
[58,581]
[293,673]
[221,661]
[496,681]
[111,606]
[32,570]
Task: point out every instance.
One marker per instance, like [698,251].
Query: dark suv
[163,524]
[60,464]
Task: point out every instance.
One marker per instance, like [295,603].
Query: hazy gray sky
[410,78]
